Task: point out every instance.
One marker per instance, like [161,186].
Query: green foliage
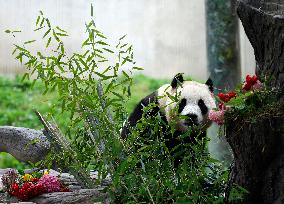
[8,161]
[93,87]
[147,173]
[18,101]
[253,106]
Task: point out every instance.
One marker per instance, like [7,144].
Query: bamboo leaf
[55,36]
[108,50]
[97,50]
[62,48]
[39,28]
[122,46]
[104,77]
[37,20]
[125,60]
[92,10]
[101,35]
[21,48]
[118,95]
[48,41]
[62,34]
[60,29]
[46,33]
[125,74]
[41,23]
[101,43]
[48,23]
[14,51]
[138,68]
[84,63]
[122,37]
[106,70]
[85,42]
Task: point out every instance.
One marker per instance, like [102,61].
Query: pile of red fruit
[27,187]
[251,83]
[218,116]
[26,191]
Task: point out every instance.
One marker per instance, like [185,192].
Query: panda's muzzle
[191,120]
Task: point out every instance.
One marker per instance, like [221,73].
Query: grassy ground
[18,102]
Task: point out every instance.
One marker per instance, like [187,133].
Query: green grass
[18,100]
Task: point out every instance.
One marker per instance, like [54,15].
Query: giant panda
[193,101]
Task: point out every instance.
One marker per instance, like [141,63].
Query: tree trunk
[222,44]
[223,60]
[259,147]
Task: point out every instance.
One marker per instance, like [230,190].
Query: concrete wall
[168,36]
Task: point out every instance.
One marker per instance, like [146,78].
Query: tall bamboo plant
[88,86]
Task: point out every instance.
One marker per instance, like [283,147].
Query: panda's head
[192,105]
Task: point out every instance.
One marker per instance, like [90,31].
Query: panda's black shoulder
[137,113]
[138,110]
[151,98]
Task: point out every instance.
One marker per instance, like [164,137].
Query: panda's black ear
[178,79]
[209,83]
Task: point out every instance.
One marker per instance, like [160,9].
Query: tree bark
[259,147]
[263,22]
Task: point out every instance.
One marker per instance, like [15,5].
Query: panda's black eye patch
[181,105]
[202,107]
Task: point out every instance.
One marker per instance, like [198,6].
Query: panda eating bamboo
[193,101]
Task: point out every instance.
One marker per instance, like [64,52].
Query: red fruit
[222,97]
[34,180]
[14,189]
[232,94]
[221,106]
[254,79]
[227,97]
[28,190]
[251,80]
[246,86]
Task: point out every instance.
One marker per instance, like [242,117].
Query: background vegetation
[18,100]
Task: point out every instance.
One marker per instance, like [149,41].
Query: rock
[84,196]
[23,143]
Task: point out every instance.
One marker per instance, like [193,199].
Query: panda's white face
[195,100]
